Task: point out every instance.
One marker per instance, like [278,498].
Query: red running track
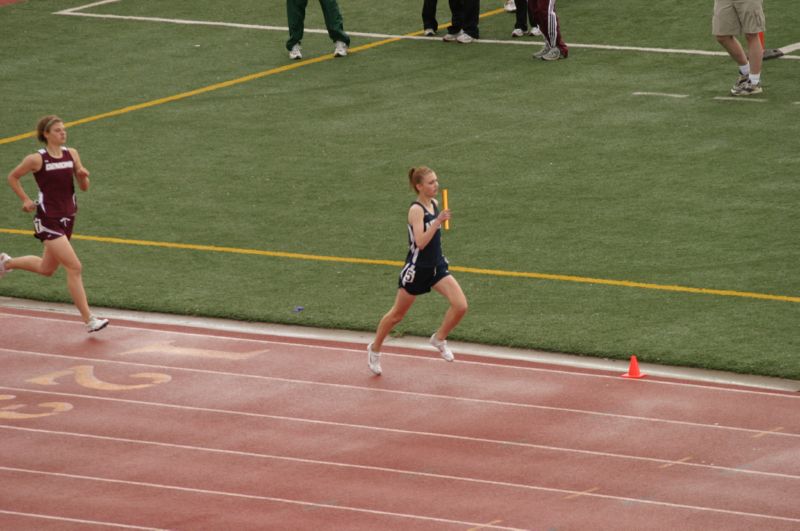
[146,426]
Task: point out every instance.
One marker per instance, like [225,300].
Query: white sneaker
[296,52]
[540,53]
[374,360]
[553,54]
[3,259]
[510,6]
[452,37]
[429,32]
[517,33]
[339,49]
[465,38]
[96,324]
[441,346]
[535,31]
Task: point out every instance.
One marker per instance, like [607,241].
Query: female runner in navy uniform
[54,167]
[425,268]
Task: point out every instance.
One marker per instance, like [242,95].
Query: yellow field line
[189,94]
[627,284]
[224,84]
[397,263]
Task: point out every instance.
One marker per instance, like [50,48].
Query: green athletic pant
[296,12]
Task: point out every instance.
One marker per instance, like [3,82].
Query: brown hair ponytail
[415,176]
[44,125]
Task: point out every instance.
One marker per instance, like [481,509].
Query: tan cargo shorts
[735,17]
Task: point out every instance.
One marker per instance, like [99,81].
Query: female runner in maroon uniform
[54,167]
[425,268]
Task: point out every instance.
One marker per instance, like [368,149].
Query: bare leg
[755,51]
[58,252]
[402,303]
[451,290]
[45,265]
[734,48]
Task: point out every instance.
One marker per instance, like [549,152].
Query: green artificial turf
[553,168]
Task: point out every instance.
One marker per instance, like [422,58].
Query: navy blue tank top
[431,255]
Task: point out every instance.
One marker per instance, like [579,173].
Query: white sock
[744,69]
[755,79]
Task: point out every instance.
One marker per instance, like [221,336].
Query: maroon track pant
[544,16]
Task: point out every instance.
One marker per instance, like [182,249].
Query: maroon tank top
[56,185]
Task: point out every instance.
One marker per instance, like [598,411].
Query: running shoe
[465,38]
[553,54]
[96,324]
[339,49]
[510,6]
[374,360]
[747,89]
[296,52]
[517,33]
[540,53]
[441,346]
[452,37]
[3,259]
[741,80]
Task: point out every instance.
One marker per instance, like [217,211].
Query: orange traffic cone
[633,369]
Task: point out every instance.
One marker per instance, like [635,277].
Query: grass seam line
[224,84]
[398,263]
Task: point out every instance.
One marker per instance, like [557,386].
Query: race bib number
[408,274]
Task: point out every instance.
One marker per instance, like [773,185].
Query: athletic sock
[755,79]
[744,69]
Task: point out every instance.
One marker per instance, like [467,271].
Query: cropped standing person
[546,18]
[731,19]
[55,168]
[296,13]
[425,269]
[523,16]
[464,21]
[429,23]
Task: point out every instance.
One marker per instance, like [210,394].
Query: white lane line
[72,10]
[214,334]
[415,394]
[790,48]
[257,497]
[402,515]
[663,94]
[78,520]
[77,12]
[400,431]
[663,463]
[740,98]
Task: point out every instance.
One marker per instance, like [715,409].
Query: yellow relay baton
[444,199]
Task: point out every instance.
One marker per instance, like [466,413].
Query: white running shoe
[452,37]
[517,33]
[441,346]
[535,31]
[428,32]
[296,52]
[540,53]
[465,38]
[339,49]
[96,324]
[510,6]
[3,259]
[374,360]
[553,54]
